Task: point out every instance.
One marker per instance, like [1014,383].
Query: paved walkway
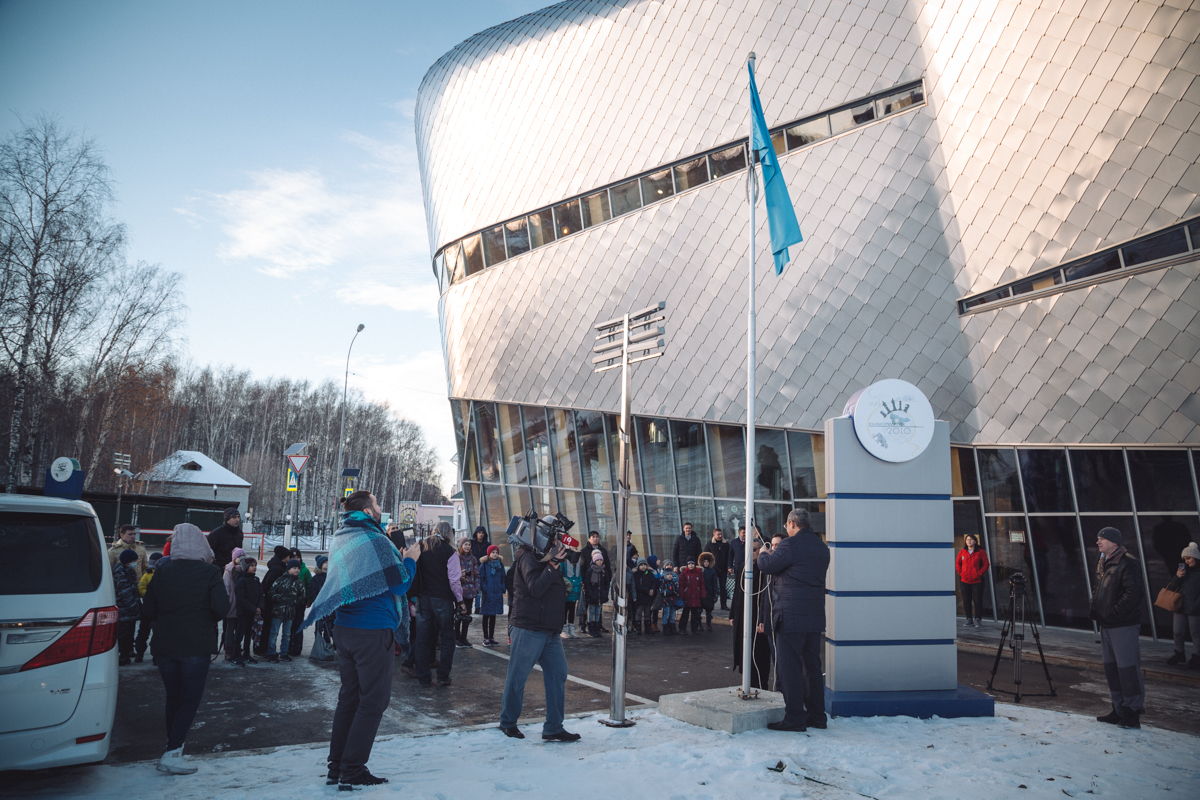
[1077,649]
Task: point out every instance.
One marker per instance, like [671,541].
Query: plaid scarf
[363,563]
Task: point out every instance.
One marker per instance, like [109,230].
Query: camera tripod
[1018,608]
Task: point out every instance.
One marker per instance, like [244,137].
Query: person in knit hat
[491,593]
[287,594]
[1187,583]
[1117,609]
[226,538]
[596,582]
[129,604]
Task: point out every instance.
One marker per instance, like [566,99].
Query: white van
[58,635]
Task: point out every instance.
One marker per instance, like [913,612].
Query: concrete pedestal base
[961,702]
[722,709]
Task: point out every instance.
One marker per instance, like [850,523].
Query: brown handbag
[1171,601]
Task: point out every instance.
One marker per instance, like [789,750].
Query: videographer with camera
[535,621]
[1117,609]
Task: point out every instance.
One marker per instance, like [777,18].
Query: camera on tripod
[1016,584]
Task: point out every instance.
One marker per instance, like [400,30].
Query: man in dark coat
[225,538]
[720,553]
[1117,608]
[687,547]
[275,567]
[438,579]
[535,622]
[798,566]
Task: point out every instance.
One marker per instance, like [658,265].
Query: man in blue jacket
[797,617]
[365,586]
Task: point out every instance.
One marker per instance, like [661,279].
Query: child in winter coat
[469,580]
[248,599]
[287,594]
[647,590]
[129,604]
[668,590]
[491,593]
[595,591]
[574,584]
[712,586]
[691,589]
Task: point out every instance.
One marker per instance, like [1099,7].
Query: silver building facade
[999,203]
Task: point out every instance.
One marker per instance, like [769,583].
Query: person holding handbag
[1187,583]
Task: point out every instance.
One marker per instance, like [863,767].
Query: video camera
[1016,584]
[542,535]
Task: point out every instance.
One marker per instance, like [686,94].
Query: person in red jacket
[971,565]
[691,589]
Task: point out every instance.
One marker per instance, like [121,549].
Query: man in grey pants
[1117,609]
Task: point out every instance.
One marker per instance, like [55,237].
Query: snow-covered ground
[1021,753]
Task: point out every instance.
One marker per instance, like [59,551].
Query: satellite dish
[63,468]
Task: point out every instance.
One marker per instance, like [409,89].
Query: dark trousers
[723,588]
[972,597]
[242,637]
[1122,654]
[571,611]
[434,617]
[798,676]
[145,627]
[183,679]
[692,614]
[461,623]
[489,626]
[366,663]
[126,628]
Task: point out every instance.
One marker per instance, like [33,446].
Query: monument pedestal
[961,702]
[722,709]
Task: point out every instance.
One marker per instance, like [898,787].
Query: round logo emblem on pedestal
[892,419]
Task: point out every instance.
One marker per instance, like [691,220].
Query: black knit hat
[281,551]
[1112,534]
[232,512]
[294,564]
[128,556]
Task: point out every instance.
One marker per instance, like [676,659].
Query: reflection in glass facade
[1036,509]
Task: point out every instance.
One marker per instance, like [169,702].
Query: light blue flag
[785,229]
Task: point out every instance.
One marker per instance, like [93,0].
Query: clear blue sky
[265,150]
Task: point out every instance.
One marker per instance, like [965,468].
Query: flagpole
[748,580]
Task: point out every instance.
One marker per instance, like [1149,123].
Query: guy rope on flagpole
[785,231]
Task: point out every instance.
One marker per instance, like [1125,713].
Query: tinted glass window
[595,209]
[847,118]
[563,445]
[700,514]
[471,467]
[691,459]
[625,198]
[592,450]
[663,513]
[512,450]
[1106,262]
[804,472]
[473,497]
[614,448]
[1171,243]
[636,522]
[727,452]
[807,132]
[728,161]
[1194,230]
[541,228]
[1161,480]
[537,446]
[485,432]
[493,245]
[655,449]
[1164,537]
[567,219]
[1010,551]
[657,186]
[601,516]
[967,520]
[49,554]
[770,478]
[770,518]
[1061,571]
[473,254]
[516,233]
[459,409]
[496,508]
[990,297]
[731,515]
[1100,480]
[779,143]
[693,173]
[1047,485]
[1001,489]
[964,482]
[1038,283]
[895,103]
[455,266]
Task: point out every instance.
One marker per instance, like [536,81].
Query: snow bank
[1022,753]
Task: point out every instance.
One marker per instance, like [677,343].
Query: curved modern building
[999,203]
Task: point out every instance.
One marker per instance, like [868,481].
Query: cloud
[422,298]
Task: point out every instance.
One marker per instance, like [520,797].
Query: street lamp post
[121,463]
[342,429]
[637,334]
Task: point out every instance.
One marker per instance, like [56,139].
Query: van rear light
[95,633]
[95,737]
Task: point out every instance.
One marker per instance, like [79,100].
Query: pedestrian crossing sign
[292,484]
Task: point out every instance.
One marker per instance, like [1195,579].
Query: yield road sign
[291,482]
[298,463]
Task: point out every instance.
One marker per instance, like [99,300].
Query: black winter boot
[709,627]
[1194,662]
[1176,658]
[1112,717]
[637,628]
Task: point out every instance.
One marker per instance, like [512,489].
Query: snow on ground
[1022,753]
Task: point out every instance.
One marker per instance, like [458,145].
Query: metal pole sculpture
[638,334]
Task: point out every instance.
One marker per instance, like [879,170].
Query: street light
[342,430]
[121,463]
[639,335]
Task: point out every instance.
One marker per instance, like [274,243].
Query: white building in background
[999,203]
[190,473]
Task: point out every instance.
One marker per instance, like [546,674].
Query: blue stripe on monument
[888,642]
[891,594]
[858,496]
[913,545]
